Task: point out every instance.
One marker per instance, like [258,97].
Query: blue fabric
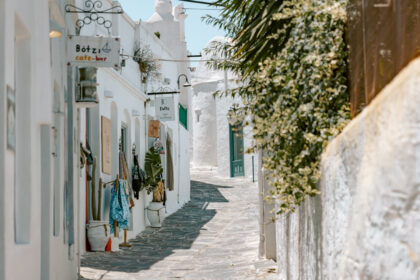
[120,210]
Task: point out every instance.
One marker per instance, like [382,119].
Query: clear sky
[197,32]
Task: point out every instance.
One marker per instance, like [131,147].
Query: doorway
[236,137]
[124,141]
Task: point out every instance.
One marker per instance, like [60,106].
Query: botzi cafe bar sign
[93,51]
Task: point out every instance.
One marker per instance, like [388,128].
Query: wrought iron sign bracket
[163,91]
[93,11]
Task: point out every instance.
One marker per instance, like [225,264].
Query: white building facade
[44,202]
[216,144]
[124,100]
[38,157]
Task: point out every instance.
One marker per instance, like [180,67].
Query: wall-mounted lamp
[124,57]
[56,30]
[186,84]
[55,34]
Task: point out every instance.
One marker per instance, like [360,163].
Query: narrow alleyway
[214,236]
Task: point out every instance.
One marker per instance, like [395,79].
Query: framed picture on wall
[11,119]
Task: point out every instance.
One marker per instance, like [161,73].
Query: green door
[236,150]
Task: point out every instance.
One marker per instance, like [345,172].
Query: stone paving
[214,236]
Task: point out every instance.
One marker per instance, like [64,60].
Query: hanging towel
[169,164]
[125,175]
[120,210]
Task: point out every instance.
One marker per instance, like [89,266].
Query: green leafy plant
[294,86]
[154,171]
[157,34]
[148,65]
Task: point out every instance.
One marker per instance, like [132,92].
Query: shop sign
[164,107]
[91,51]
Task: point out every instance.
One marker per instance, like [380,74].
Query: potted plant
[148,65]
[98,232]
[154,183]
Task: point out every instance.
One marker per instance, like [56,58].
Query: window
[124,139]
[183,116]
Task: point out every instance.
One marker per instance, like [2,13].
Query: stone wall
[366,222]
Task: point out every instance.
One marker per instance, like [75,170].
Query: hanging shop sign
[91,51]
[154,126]
[164,107]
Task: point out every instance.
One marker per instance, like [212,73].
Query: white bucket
[98,233]
[156,214]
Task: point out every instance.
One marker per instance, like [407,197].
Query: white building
[124,101]
[215,143]
[38,157]
[43,190]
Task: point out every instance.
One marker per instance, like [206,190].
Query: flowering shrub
[298,98]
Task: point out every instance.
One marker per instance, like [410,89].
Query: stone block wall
[366,222]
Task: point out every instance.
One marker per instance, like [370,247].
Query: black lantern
[86,95]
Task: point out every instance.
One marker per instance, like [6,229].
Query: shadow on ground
[178,232]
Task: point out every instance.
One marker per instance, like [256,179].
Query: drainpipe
[261,180]
[179,154]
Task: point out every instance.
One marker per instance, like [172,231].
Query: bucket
[98,233]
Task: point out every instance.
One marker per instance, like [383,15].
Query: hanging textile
[138,177]
[159,146]
[154,128]
[125,174]
[169,164]
[119,209]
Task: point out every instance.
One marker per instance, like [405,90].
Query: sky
[197,32]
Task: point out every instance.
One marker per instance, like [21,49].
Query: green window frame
[183,116]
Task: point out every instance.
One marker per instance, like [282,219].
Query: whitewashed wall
[128,105]
[210,132]
[366,223]
[3,93]
[33,65]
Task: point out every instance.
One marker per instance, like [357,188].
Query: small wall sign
[164,107]
[90,51]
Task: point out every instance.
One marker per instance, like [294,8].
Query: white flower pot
[156,214]
[98,233]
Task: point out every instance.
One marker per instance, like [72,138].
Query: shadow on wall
[178,231]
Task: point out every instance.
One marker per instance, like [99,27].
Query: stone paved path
[214,236]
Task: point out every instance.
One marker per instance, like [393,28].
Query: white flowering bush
[298,98]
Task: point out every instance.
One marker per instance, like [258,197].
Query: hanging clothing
[159,146]
[154,128]
[169,164]
[138,177]
[119,209]
[125,174]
